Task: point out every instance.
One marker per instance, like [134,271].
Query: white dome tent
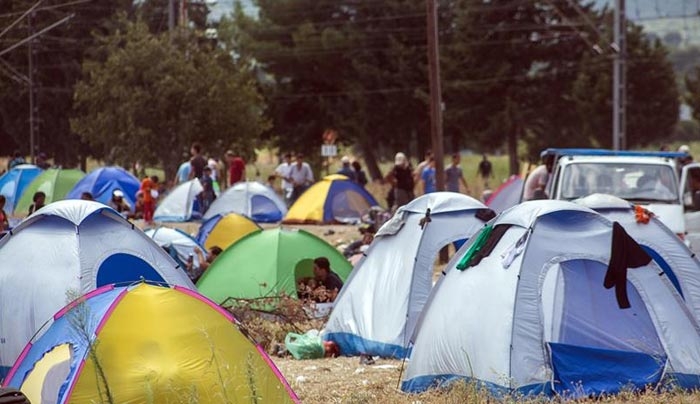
[180,205]
[251,199]
[525,307]
[179,244]
[64,250]
[380,303]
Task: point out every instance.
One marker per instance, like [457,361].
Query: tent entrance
[596,347]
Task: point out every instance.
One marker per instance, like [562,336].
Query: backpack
[9,395]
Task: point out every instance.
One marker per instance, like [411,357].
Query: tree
[692,96]
[57,64]
[150,99]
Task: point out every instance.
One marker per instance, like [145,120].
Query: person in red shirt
[236,168]
[4,222]
[149,203]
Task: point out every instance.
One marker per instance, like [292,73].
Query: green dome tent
[54,182]
[267,264]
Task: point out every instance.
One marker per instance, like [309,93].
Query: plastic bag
[305,346]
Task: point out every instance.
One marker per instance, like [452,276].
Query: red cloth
[148,209]
[235,170]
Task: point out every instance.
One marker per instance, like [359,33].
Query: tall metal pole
[32,101]
[171,16]
[435,94]
[620,78]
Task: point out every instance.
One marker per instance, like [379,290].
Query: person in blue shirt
[428,177]
[346,170]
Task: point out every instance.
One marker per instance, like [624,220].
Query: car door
[690,196]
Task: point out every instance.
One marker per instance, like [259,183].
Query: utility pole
[436,104]
[171,17]
[435,94]
[620,77]
[33,110]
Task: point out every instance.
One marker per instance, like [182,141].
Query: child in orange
[148,202]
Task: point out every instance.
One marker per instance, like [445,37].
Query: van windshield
[642,183]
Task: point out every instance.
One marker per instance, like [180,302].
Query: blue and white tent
[251,199]
[13,183]
[179,244]
[62,251]
[102,181]
[380,303]
[526,307]
[180,205]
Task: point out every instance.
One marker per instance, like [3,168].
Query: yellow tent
[334,199]
[224,230]
[146,344]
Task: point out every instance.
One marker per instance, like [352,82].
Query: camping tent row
[524,305]
[21,183]
[334,199]
[141,330]
[83,245]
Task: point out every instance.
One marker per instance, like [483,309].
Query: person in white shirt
[536,182]
[300,176]
[282,171]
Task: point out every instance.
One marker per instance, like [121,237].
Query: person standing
[17,159]
[417,174]
[149,203]
[428,177]
[207,196]
[4,222]
[346,170]
[485,170]
[197,162]
[536,182]
[300,176]
[282,172]
[236,168]
[401,179]
[360,175]
[454,176]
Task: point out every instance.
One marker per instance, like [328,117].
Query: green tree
[692,96]
[150,99]
[57,64]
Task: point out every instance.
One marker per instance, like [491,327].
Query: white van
[649,179]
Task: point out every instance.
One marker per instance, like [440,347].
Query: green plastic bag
[304,346]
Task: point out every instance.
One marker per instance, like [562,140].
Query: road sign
[329,150]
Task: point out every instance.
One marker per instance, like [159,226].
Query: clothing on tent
[624,253]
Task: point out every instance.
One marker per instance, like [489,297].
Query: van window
[641,183]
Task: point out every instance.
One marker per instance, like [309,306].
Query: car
[649,179]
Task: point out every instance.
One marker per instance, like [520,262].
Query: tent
[378,307]
[526,307]
[224,230]
[13,183]
[334,199]
[506,195]
[267,263]
[103,181]
[667,249]
[54,182]
[146,344]
[253,199]
[180,205]
[69,248]
[179,244]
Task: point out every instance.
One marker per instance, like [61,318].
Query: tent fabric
[179,244]
[252,199]
[378,307]
[506,195]
[679,264]
[180,204]
[224,230]
[266,264]
[334,199]
[542,285]
[54,182]
[102,181]
[135,337]
[82,244]
[13,183]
